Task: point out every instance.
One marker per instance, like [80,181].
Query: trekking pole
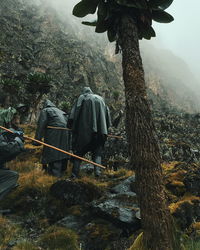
[113,136]
[58,149]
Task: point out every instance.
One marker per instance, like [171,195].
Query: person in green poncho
[54,162]
[89,121]
[11,144]
[12,117]
[6,116]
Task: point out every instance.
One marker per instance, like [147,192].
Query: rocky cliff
[34,39]
[44,37]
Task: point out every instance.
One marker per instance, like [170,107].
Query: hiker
[6,116]
[11,144]
[22,113]
[11,117]
[54,162]
[89,121]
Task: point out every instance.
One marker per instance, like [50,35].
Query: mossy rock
[31,194]
[59,238]
[100,233]
[75,193]
[55,209]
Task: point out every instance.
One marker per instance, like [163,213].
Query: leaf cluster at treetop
[109,13]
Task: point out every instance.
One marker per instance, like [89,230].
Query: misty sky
[182,36]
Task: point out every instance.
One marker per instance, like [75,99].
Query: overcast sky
[182,36]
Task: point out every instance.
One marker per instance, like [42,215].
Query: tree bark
[34,109]
[144,150]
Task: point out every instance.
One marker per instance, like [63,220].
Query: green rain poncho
[52,116]
[9,149]
[89,115]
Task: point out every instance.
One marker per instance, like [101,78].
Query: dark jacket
[89,117]
[10,147]
[52,116]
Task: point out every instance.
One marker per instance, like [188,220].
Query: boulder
[125,186]
[75,192]
[120,209]
[73,222]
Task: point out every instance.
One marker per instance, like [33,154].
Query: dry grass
[59,238]
[186,198]
[167,166]
[138,243]
[196,225]
[93,181]
[177,183]
[36,179]
[8,231]
[121,173]
[32,191]
[29,130]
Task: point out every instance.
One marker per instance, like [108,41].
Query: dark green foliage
[33,83]
[111,33]
[109,13]
[161,16]
[85,7]
[94,23]
[65,106]
[29,90]
[38,82]
[161,4]
[11,86]
[141,4]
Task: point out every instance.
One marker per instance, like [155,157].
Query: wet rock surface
[121,210]
[118,205]
[125,187]
[74,222]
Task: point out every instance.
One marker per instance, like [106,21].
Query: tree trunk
[144,149]
[34,109]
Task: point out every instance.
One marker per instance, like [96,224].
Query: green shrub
[192,244]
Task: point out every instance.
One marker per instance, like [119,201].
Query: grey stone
[124,186]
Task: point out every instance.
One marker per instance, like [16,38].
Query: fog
[181,36]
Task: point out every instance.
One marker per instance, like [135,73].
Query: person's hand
[19,134]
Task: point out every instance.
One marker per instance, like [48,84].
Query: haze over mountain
[76,55]
[182,36]
[168,55]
